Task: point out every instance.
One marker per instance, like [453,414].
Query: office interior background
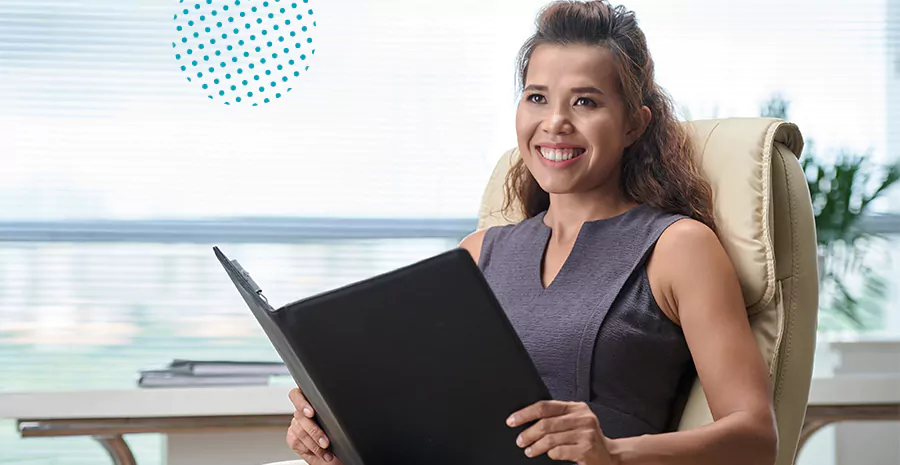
[117,175]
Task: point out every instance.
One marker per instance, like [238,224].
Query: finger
[300,416]
[568,453]
[536,411]
[304,441]
[300,402]
[315,439]
[312,459]
[550,441]
[312,428]
[294,442]
[547,426]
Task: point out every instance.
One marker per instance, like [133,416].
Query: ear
[638,125]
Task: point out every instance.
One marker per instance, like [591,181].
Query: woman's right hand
[305,436]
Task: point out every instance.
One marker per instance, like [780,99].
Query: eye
[584,101]
[535,98]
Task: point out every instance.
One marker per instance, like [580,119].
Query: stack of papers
[187,373]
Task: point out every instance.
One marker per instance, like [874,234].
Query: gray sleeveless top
[596,334]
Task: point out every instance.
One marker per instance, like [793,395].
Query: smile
[560,154]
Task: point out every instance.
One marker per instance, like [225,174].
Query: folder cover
[412,367]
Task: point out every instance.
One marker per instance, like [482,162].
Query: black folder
[418,366]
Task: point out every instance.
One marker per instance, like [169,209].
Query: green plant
[842,192]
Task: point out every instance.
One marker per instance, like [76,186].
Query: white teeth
[559,154]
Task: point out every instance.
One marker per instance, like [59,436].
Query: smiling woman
[404,116]
[615,209]
[611,94]
[592,279]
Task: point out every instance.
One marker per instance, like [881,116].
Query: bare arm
[708,304]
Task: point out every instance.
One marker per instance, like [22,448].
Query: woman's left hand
[567,431]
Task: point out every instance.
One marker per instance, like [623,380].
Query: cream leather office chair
[766,225]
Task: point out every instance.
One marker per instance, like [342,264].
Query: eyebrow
[575,90]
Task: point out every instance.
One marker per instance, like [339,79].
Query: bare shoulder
[472,243]
[690,245]
[688,260]
[684,236]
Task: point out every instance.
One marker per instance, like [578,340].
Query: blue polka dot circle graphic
[244,51]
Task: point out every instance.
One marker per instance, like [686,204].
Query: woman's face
[570,122]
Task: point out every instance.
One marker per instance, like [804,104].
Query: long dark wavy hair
[659,168]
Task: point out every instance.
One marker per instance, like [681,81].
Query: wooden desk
[850,398]
[246,425]
[221,426]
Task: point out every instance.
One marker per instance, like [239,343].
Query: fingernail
[528,452]
[519,441]
[511,421]
[328,457]
[323,442]
[307,412]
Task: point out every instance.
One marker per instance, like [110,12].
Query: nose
[557,122]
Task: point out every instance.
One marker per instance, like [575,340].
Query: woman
[616,282]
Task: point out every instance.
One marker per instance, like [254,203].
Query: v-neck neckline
[544,243]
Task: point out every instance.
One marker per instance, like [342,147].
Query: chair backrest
[766,225]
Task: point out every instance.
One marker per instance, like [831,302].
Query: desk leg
[820,416]
[117,448]
[809,428]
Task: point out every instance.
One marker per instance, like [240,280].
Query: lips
[558,154]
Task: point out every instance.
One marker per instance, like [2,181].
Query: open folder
[418,366]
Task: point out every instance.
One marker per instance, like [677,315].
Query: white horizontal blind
[404,109]
[402,113]
[406,106]
[99,121]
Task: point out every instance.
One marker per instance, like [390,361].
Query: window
[401,116]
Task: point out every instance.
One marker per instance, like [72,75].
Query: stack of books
[190,373]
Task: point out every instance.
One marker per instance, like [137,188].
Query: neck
[567,212]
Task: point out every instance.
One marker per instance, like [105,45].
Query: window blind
[402,114]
